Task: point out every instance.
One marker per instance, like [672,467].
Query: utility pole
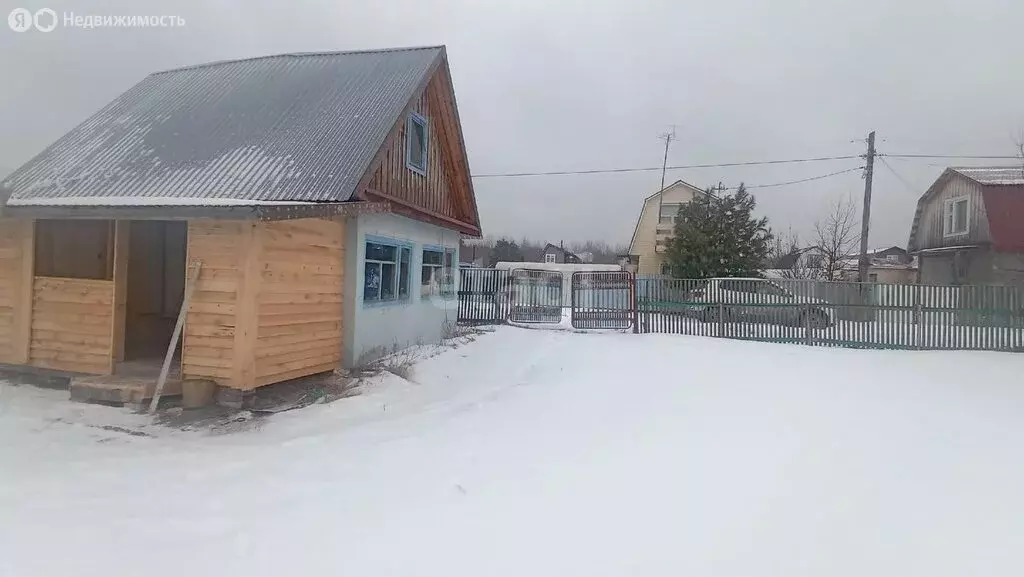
[668,137]
[865,219]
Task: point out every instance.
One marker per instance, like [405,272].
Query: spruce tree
[718,237]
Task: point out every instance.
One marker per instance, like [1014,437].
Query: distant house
[968,227]
[559,255]
[892,265]
[654,227]
[324,196]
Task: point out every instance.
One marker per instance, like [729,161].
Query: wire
[838,172]
[897,175]
[679,167]
[953,156]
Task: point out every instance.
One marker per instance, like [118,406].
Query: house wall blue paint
[375,329]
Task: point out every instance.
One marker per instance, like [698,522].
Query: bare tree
[791,259]
[837,238]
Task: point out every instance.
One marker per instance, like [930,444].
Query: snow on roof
[994,175]
[147,201]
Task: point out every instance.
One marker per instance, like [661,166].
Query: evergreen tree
[716,237]
[505,251]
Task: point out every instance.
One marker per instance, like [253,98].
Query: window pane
[371,281]
[432,257]
[448,258]
[417,143]
[387,282]
[669,210]
[426,275]
[961,216]
[377,251]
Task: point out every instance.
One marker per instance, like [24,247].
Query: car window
[739,286]
[769,289]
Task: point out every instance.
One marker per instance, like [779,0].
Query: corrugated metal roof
[294,127]
[996,175]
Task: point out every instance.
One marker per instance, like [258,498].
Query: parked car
[757,300]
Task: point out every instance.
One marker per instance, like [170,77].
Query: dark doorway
[156,285]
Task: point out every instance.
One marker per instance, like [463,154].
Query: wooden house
[654,227]
[322,195]
[967,228]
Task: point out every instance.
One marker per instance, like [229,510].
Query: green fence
[859,315]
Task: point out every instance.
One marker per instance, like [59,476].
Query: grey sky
[545,85]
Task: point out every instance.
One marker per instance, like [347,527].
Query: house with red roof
[969,228]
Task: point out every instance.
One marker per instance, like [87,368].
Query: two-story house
[654,227]
[967,228]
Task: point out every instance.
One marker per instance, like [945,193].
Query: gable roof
[636,228]
[1002,192]
[565,252]
[293,127]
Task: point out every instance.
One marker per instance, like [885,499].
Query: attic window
[954,216]
[416,143]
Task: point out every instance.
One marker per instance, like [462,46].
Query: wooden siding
[72,325]
[644,243]
[444,191]
[299,301]
[209,333]
[930,225]
[16,250]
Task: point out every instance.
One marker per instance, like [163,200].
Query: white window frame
[550,257]
[400,266]
[892,257]
[949,216]
[662,219]
[437,279]
[417,119]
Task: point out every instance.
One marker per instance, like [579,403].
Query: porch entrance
[154,292]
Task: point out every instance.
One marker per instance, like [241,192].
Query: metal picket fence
[834,314]
[857,315]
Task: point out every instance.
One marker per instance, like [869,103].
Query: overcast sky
[545,85]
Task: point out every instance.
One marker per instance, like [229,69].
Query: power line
[953,156]
[896,174]
[838,172]
[679,167]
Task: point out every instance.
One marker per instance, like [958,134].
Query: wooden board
[16,262]
[211,320]
[299,303]
[72,325]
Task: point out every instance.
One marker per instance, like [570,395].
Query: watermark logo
[46,20]
[23,20]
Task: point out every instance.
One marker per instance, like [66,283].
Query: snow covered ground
[548,453]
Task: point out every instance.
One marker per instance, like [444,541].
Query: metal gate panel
[603,300]
[535,296]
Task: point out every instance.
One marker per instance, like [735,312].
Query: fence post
[807,324]
[633,303]
[721,320]
[918,320]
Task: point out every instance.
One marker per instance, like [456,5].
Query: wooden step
[117,389]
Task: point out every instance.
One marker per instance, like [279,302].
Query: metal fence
[603,300]
[837,314]
[858,315]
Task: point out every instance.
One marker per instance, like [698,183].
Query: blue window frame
[437,272]
[386,265]
[416,143]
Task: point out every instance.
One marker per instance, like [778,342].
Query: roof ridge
[296,55]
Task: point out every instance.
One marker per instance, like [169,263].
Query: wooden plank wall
[436,192]
[12,250]
[72,322]
[299,301]
[209,333]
